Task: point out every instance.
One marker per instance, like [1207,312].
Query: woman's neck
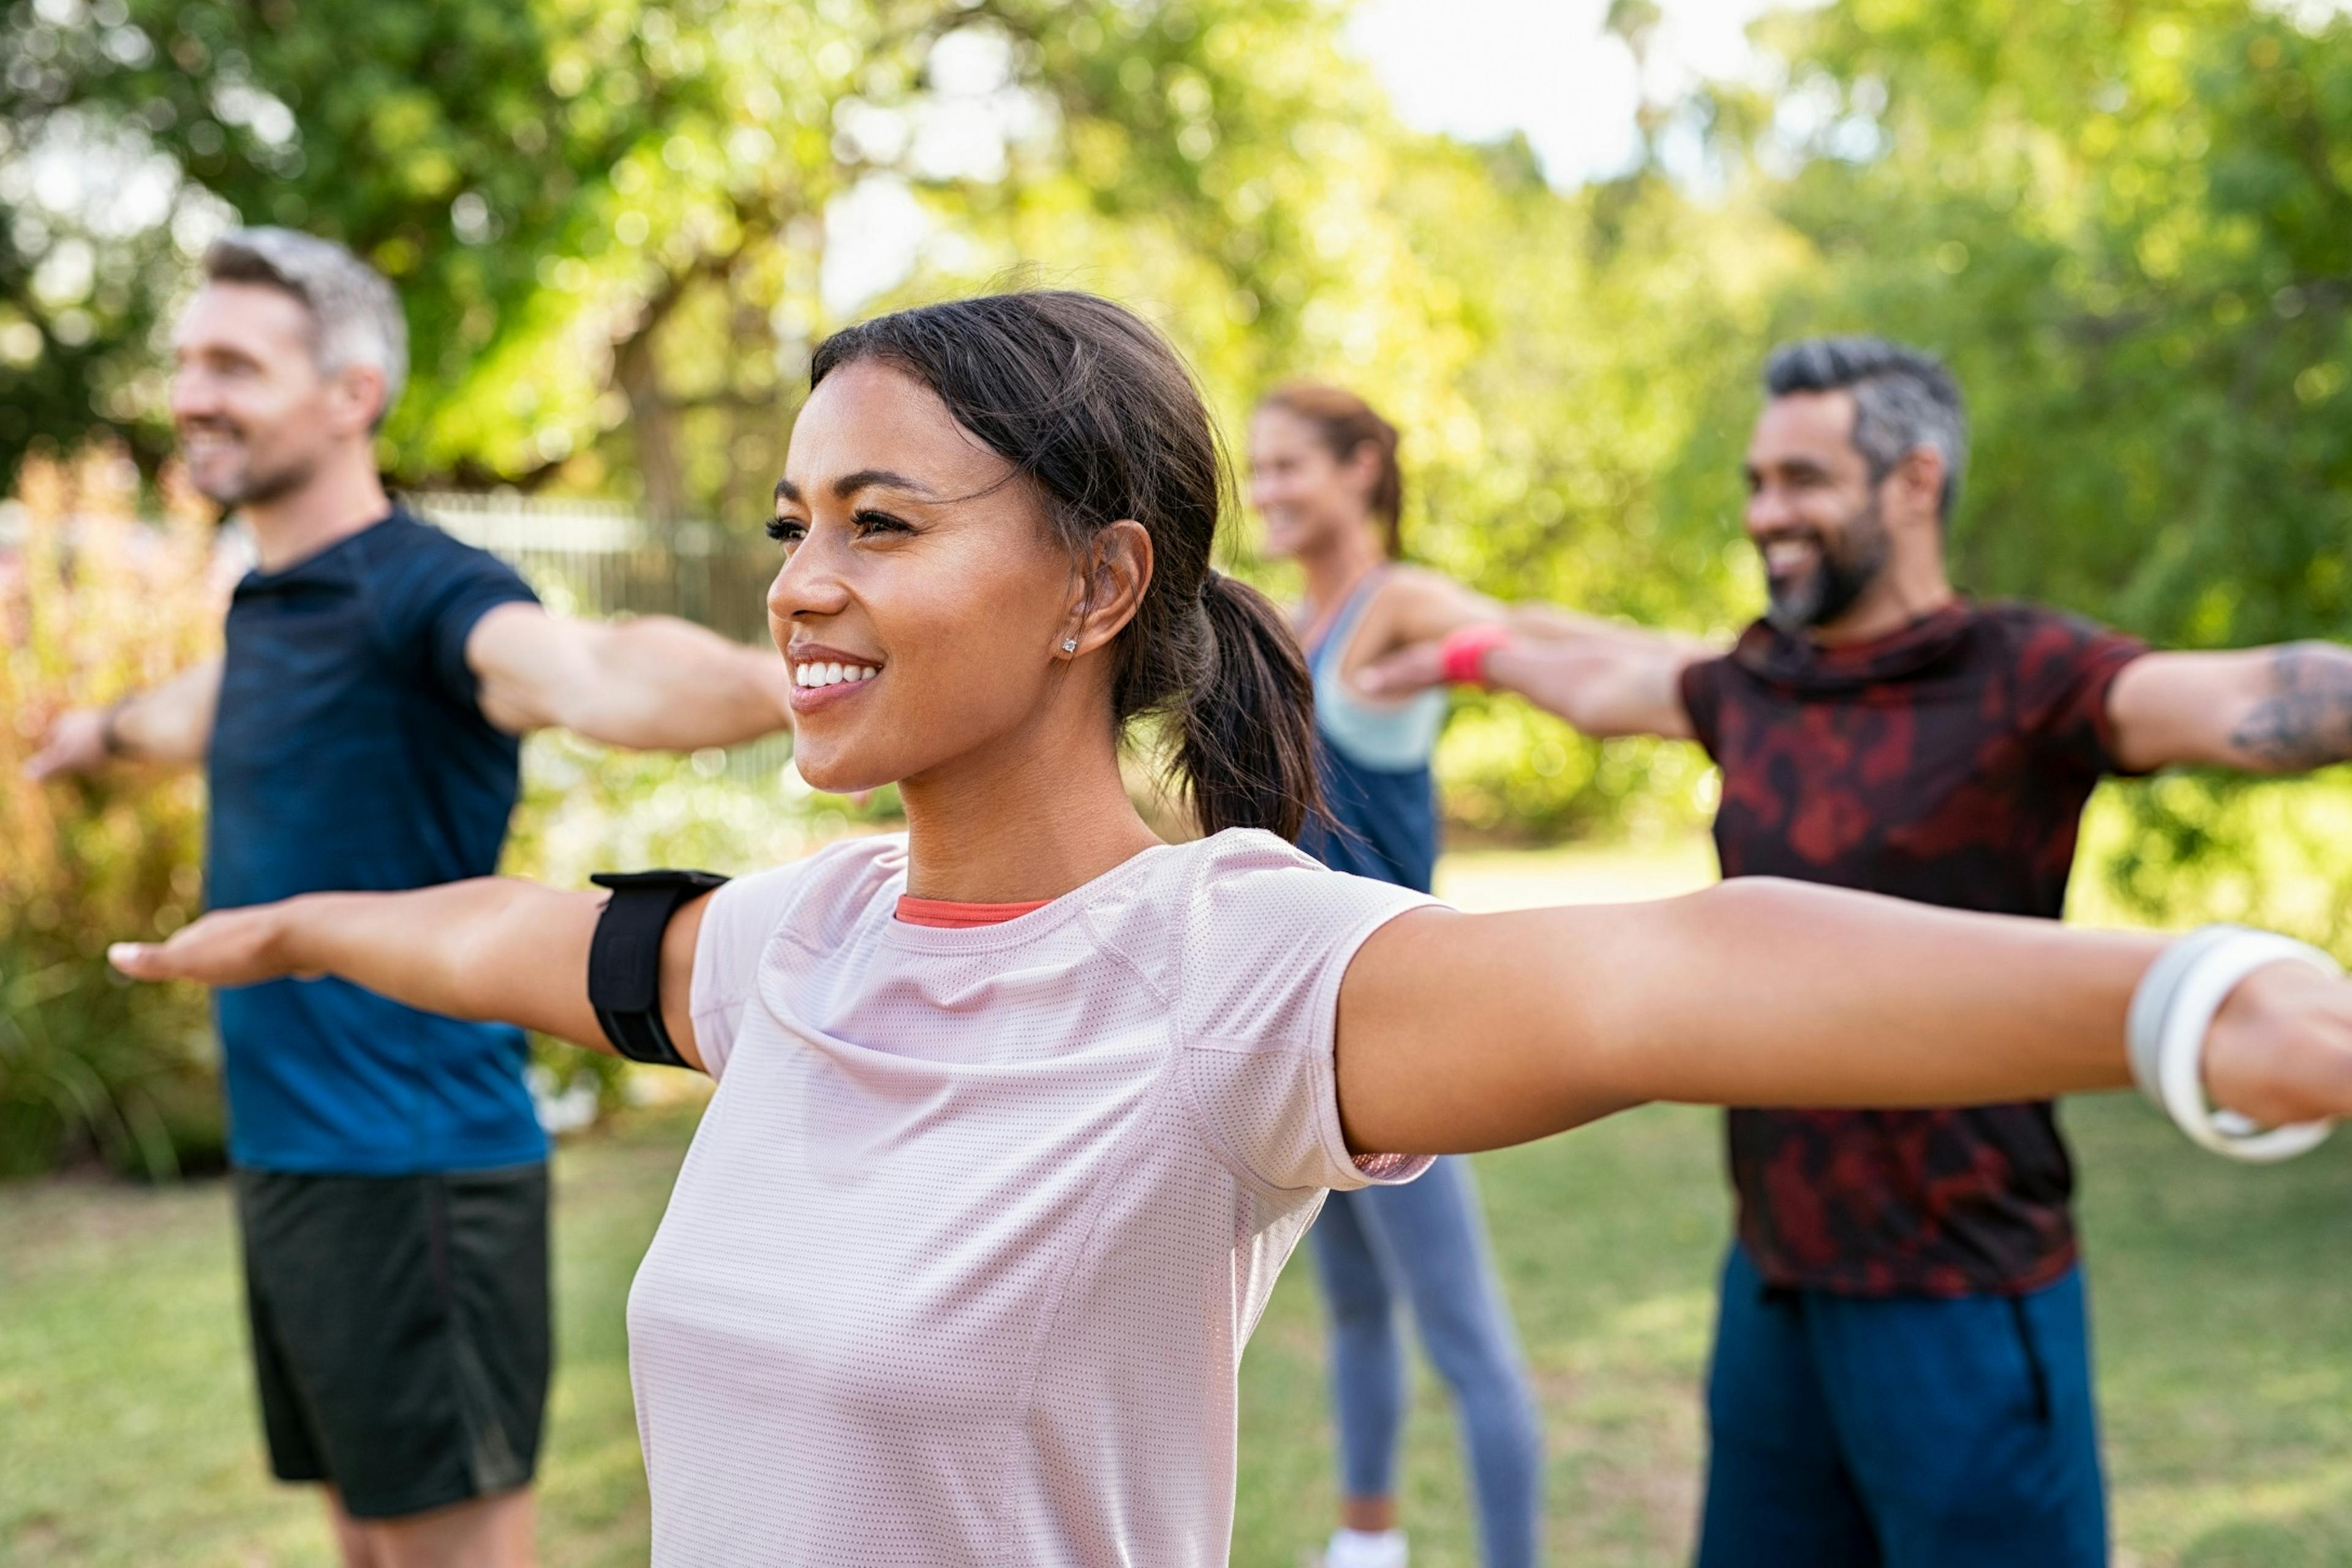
[1333,568]
[1032,818]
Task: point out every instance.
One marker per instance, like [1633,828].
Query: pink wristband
[1463,655]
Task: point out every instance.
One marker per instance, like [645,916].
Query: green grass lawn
[2224,1299]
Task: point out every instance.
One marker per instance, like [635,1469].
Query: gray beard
[1831,588]
[263,485]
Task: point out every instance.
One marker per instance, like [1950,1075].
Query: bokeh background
[1552,239]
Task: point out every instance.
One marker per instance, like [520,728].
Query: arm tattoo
[2305,720]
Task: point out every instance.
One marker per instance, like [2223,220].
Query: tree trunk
[653,426]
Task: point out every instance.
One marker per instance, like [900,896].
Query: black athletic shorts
[400,1330]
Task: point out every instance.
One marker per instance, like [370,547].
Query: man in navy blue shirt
[361,733]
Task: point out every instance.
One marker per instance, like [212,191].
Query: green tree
[609,218]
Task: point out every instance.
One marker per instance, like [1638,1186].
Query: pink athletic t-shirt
[961,1264]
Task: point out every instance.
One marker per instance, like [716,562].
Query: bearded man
[1901,1372]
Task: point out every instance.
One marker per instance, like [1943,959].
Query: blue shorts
[1901,1432]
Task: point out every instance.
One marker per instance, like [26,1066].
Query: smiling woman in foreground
[1019,1113]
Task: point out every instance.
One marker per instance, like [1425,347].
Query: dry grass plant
[97,601]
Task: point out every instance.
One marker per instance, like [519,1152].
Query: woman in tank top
[959,1266]
[1324,478]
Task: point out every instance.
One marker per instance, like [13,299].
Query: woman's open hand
[2280,1050]
[227,947]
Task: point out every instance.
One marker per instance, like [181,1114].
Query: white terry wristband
[2171,1011]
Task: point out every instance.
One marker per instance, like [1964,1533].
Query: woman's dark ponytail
[1097,411]
[1245,747]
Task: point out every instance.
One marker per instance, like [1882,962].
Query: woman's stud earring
[1069,645]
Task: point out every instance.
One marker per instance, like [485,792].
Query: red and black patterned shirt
[1948,763]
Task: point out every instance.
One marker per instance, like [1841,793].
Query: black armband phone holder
[624,958]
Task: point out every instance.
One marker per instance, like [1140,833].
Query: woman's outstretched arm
[493,948]
[1459,1032]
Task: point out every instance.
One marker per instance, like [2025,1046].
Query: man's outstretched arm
[1603,679]
[2283,709]
[652,684]
[171,723]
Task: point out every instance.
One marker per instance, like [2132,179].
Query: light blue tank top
[1373,760]
[1389,735]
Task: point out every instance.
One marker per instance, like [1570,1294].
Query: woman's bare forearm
[1467,1032]
[1795,995]
[494,948]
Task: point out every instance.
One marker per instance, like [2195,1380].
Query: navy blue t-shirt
[351,754]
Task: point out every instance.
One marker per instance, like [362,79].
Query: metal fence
[598,558]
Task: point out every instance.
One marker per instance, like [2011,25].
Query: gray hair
[354,313]
[1902,399]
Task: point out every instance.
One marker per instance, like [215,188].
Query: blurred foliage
[94,603]
[607,217]
[587,807]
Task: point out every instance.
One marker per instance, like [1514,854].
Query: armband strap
[624,958]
